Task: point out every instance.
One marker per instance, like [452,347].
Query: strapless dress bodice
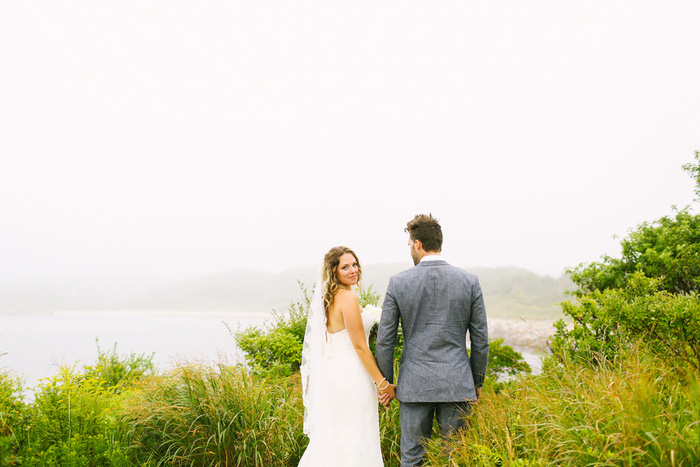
[340,341]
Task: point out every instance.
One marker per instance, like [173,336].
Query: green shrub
[605,322]
[72,420]
[72,423]
[12,413]
[649,293]
[117,373]
[368,296]
[694,171]
[667,250]
[275,349]
[504,361]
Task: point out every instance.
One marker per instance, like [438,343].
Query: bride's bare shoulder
[347,297]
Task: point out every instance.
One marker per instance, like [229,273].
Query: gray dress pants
[417,425]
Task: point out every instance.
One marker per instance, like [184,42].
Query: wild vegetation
[620,388]
[638,408]
[118,412]
[75,417]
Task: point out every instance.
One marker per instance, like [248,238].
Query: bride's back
[335,322]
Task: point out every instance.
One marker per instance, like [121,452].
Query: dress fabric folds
[348,429]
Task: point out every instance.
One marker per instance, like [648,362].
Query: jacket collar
[432,263]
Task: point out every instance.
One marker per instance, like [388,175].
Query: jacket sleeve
[386,334]
[479,337]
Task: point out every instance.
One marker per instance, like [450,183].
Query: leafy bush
[649,293]
[275,350]
[667,250]
[72,420]
[504,361]
[72,424]
[11,418]
[117,373]
[605,322]
[694,171]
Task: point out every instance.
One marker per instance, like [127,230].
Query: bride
[340,377]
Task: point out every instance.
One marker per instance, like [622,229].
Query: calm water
[36,345]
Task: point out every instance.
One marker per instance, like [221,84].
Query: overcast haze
[165,140]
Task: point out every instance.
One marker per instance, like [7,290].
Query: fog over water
[149,142]
[148,148]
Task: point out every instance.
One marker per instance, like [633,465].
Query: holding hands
[386,392]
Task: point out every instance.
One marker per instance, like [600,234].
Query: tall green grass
[117,413]
[201,415]
[640,409]
[219,415]
[390,435]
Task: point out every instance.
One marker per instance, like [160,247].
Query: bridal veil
[313,377]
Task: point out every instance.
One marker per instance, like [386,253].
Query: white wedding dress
[348,427]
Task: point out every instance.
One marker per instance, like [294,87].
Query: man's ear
[418,245]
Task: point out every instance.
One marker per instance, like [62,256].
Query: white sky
[170,139]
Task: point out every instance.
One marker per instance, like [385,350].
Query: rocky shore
[522,333]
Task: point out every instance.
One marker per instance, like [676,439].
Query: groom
[436,304]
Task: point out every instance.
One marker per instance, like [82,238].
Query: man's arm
[479,337]
[386,334]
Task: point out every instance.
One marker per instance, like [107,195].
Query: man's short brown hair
[426,229]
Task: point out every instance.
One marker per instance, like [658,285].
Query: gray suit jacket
[437,304]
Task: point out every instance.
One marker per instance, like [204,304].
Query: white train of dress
[349,435]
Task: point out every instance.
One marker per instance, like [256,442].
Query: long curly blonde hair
[330,276]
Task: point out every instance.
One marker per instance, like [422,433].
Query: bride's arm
[349,306]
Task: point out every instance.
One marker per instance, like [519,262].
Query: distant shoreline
[132,312]
[514,331]
[508,292]
[522,333]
